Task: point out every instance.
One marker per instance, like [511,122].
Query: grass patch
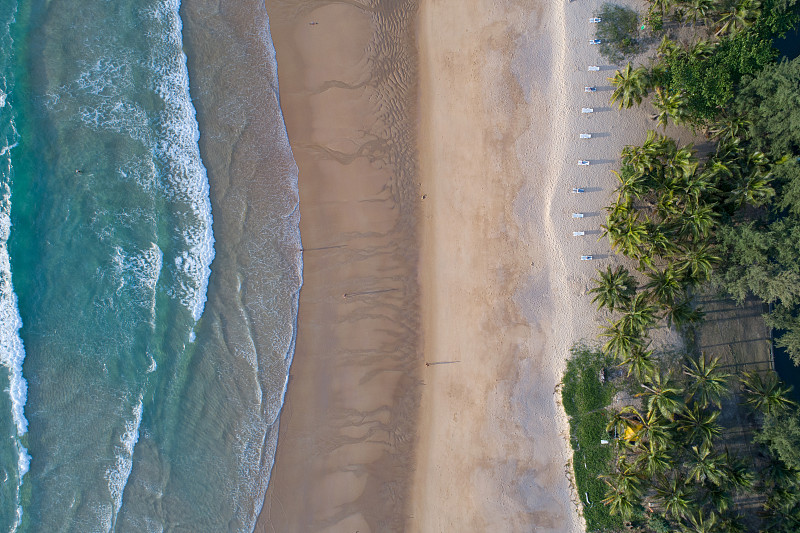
[619,32]
[585,398]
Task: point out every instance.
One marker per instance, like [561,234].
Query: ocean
[150,265]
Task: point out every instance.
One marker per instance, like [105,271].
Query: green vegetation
[618,31]
[728,219]
[585,398]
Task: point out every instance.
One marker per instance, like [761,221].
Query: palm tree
[651,430]
[620,341]
[737,474]
[698,222]
[620,500]
[638,315]
[697,263]
[662,5]
[624,490]
[729,128]
[699,425]
[669,105]
[700,522]
[639,362]
[706,465]
[732,524]
[632,184]
[720,497]
[708,384]
[627,235]
[631,86]
[665,286]
[663,395]
[676,496]
[668,48]
[613,289]
[682,313]
[740,16]
[662,241]
[653,460]
[698,11]
[754,189]
[683,162]
[766,394]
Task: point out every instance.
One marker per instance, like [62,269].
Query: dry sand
[480,277]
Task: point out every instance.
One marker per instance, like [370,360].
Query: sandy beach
[437,145]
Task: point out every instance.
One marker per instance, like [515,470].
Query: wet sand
[442,286]
[348,94]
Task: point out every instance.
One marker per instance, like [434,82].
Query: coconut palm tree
[766,393]
[631,86]
[740,16]
[720,498]
[700,522]
[698,187]
[755,189]
[668,48]
[675,495]
[650,429]
[708,384]
[698,11]
[653,460]
[662,5]
[698,222]
[668,206]
[613,289]
[683,163]
[699,425]
[669,106]
[737,473]
[620,341]
[729,128]
[627,235]
[638,315]
[706,465]
[639,362]
[662,395]
[662,241]
[682,313]
[731,524]
[624,489]
[632,184]
[665,286]
[697,262]
[621,500]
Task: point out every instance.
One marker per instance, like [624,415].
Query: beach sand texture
[435,214]
[348,93]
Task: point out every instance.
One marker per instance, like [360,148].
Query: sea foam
[185,179]
[117,476]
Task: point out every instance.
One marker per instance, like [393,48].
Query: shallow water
[147,408]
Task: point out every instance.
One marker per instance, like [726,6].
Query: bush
[585,398]
[619,32]
[582,390]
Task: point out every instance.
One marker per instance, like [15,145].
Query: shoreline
[496,297]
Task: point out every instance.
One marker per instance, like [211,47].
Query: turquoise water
[144,380]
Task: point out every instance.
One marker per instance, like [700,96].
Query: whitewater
[146,343]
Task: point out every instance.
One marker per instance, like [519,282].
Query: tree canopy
[771,101]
